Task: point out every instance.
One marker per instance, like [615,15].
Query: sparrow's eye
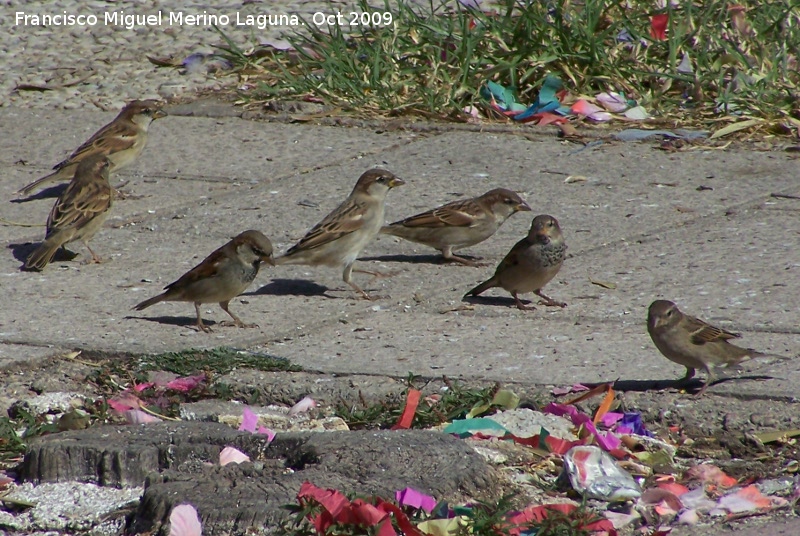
[509,202]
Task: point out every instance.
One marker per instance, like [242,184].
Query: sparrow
[459,224]
[339,238]
[690,342]
[78,213]
[122,141]
[222,276]
[531,263]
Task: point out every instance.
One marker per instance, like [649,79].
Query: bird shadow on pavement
[48,193]
[692,386]
[22,251]
[420,259]
[291,287]
[501,301]
[182,321]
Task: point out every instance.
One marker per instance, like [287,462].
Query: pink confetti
[183,521]
[137,416]
[232,455]
[301,407]
[610,419]
[187,383]
[613,102]
[415,499]
[250,424]
[749,499]
[124,401]
[707,473]
[664,501]
[607,441]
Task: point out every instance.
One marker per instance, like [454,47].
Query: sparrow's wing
[82,201]
[347,218]
[702,333]
[513,256]
[112,138]
[208,268]
[456,214]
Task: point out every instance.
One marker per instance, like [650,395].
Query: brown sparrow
[459,224]
[122,141]
[690,342]
[221,276]
[78,213]
[531,263]
[341,235]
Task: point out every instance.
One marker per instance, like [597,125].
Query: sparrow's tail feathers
[35,185]
[152,301]
[42,256]
[483,287]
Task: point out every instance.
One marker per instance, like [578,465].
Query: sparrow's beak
[395,182]
[159,114]
[654,321]
[523,207]
[269,259]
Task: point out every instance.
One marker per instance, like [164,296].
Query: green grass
[455,403]
[218,360]
[433,59]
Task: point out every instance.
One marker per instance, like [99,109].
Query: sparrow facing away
[78,213]
[531,263]
[122,141]
[459,224]
[339,238]
[222,276]
[690,342]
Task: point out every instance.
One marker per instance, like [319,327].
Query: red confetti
[412,401]
[658,26]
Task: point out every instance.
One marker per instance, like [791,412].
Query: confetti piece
[137,416]
[658,26]
[232,455]
[184,521]
[412,401]
[709,474]
[301,407]
[415,499]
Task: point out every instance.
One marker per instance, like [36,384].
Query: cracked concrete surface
[698,227]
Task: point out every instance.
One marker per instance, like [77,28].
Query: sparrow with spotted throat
[531,263]
[220,277]
[121,141]
[339,238]
[459,224]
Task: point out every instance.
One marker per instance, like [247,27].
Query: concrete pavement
[698,227]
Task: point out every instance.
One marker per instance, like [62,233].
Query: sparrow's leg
[199,323]
[521,306]
[348,271]
[546,300]
[689,375]
[236,320]
[710,378]
[95,258]
[448,255]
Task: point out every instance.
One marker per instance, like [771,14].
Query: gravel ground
[105,64]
